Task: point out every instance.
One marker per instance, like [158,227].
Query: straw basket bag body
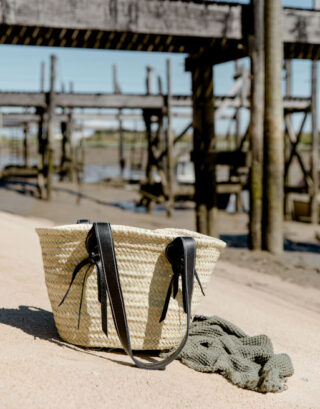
[148,281]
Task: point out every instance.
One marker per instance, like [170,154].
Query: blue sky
[90,70]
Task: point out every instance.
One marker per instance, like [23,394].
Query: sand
[39,371]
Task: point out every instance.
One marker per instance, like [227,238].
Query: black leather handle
[181,251]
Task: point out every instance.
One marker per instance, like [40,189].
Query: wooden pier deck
[144,25]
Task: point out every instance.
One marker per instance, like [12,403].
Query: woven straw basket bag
[141,263]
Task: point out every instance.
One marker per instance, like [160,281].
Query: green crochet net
[216,345]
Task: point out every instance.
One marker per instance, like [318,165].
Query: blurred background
[165,120]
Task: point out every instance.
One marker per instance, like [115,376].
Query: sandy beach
[254,291]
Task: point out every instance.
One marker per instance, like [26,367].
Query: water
[99,173]
[9,159]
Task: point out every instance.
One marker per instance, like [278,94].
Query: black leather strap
[181,250]
[181,253]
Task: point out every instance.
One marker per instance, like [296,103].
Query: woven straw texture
[144,273]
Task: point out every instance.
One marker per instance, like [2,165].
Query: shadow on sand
[29,188]
[20,186]
[39,323]
[241,241]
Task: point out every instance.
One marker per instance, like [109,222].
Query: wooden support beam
[67,152]
[50,126]
[238,110]
[171,26]
[134,101]
[116,86]
[41,156]
[42,76]
[169,145]
[314,203]
[273,137]
[172,19]
[160,91]
[71,150]
[122,162]
[63,159]
[256,42]
[23,99]
[149,80]
[294,141]
[204,142]
[26,152]
[288,91]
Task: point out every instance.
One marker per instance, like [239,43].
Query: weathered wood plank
[301,26]
[138,16]
[82,100]
[109,101]
[170,26]
[23,99]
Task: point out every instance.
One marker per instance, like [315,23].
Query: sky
[91,70]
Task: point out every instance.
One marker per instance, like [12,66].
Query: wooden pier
[210,33]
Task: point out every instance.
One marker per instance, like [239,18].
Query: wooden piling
[26,146]
[50,126]
[70,148]
[42,76]
[41,156]
[169,145]
[117,91]
[121,145]
[256,42]
[116,86]
[238,110]
[160,92]
[149,80]
[273,135]
[204,142]
[288,91]
[314,204]
[73,168]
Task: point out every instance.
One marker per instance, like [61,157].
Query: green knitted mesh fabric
[216,345]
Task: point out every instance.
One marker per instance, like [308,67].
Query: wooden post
[26,146]
[149,80]
[116,86]
[288,68]
[238,110]
[204,147]
[121,145]
[73,168]
[256,42]
[41,156]
[70,148]
[117,90]
[41,141]
[314,204]
[160,92]
[42,77]
[63,158]
[147,120]
[169,145]
[50,126]
[273,135]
